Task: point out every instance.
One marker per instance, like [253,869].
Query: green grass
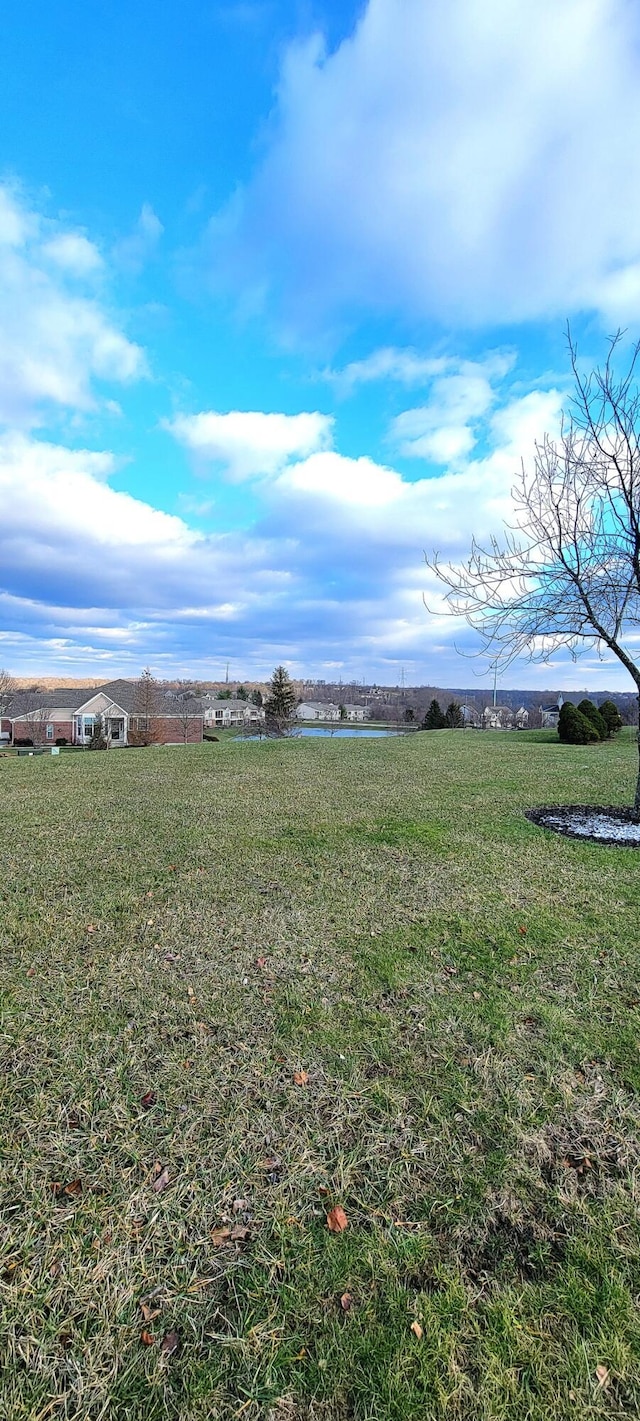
[462,990]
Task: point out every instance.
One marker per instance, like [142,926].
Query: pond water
[340,733]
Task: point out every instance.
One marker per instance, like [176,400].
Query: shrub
[17,741]
[611,716]
[586,707]
[574,728]
[62,740]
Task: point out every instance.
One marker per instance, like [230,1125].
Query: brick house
[44,717]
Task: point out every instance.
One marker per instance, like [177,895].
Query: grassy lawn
[184,931]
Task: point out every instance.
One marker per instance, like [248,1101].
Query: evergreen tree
[453,716]
[280,704]
[98,739]
[586,707]
[409,715]
[342,710]
[242,693]
[434,719]
[611,716]
[256,698]
[574,728]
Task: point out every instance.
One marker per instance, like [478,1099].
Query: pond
[340,733]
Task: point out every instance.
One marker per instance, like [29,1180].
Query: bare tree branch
[567,572]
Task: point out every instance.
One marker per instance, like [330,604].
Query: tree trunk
[636,803]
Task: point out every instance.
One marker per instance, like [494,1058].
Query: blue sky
[284,288]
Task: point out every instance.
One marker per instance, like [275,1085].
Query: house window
[49,732]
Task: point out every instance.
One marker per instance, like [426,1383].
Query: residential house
[223,714]
[471,716]
[521,719]
[357,712]
[71,715]
[318,710]
[550,715]
[497,718]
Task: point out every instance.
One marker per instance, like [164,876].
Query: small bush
[17,741]
[62,740]
[587,708]
[611,716]
[574,728]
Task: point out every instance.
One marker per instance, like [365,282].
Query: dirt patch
[592,823]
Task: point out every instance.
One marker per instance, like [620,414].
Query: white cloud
[476,162]
[443,429]
[359,482]
[249,443]
[73,253]
[135,250]
[54,344]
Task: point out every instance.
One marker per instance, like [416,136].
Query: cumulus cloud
[331,559]
[54,343]
[247,442]
[472,162]
[73,253]
[443,429]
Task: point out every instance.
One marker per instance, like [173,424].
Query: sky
[284,287]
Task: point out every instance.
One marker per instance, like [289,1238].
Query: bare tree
[146,709]
[189,710]
[7,691]
[568,573]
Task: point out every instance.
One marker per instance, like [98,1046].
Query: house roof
[65,698]
[122,693]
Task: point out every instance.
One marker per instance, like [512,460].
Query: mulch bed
[591,823]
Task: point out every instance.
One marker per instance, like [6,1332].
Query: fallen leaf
[337,1220]
[147,1338]
[74,1188]
[190,992]
[261,961]
[240,1233]
[522,930]
[300,1077]
[161,1182]
[602,1374]
[91,928]
[346,1302]
[476,997]
[220,1236]
[148,1099]
[417,1330]
[239,1205]
[31,972]
[170,1343]
[148,1313]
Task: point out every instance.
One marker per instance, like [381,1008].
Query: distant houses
[504,718]
[327,711]
[550,715]
[223,714]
